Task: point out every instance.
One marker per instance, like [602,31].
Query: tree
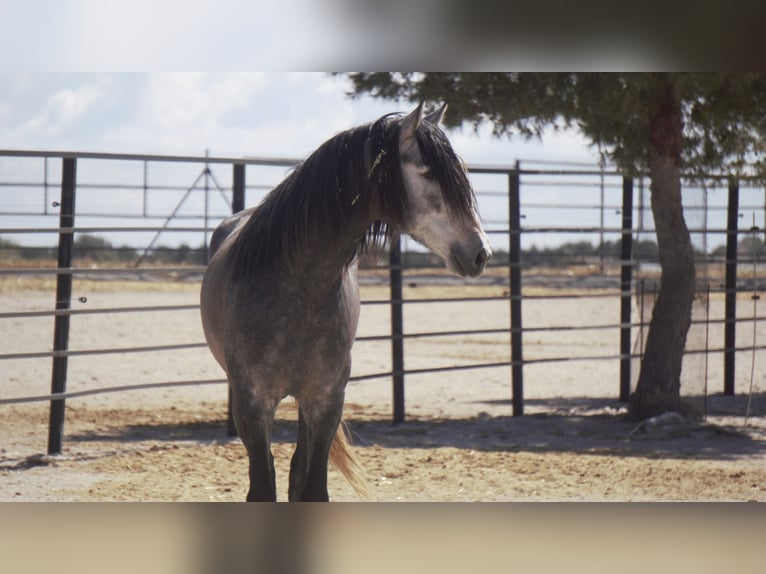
[660,122]
[751,247]
[93,247]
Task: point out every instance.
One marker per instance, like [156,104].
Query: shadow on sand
[573,425]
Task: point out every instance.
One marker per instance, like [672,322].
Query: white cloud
[482,147]
[67,106]
[147,35]
[189,113]
[239,114]
[58,115]
[273,114]
[188,99]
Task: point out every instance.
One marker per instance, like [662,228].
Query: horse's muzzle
[470,263]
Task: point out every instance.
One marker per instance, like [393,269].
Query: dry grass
[36,283]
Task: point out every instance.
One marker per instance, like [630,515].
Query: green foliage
[723,114]
[10,250]
[586,252]
[751,246]
[100,250]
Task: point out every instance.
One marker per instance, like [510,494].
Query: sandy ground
[460,442]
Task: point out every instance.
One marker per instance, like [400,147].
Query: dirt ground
[459,443]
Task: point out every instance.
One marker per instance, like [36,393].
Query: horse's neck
[323,266]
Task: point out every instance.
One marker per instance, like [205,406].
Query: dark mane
[339,182]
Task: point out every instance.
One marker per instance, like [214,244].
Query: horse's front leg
[254,409]
[254,429]
[318,423]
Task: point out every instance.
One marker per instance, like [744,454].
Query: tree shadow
[593,435]
[578,425]
[714,405]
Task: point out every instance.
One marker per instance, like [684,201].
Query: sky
[268,114]
[151,77]
[216,35]
[242,114]
[96,75]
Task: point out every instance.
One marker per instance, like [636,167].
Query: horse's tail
[343,460]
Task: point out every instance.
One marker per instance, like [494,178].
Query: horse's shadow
[572,425]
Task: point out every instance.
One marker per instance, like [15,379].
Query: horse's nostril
[483,256]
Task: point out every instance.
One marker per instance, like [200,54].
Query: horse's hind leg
[299,462]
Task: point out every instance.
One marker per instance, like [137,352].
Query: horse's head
[441,206]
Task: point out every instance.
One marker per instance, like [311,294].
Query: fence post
[514,270]
[730,325]
[626,278]
[63,300]
[397,329]
[238,188]
[237,205]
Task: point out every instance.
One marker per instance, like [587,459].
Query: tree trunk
[659,382]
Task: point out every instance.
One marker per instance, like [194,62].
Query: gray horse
[280,301]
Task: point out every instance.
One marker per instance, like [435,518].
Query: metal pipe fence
[531,214]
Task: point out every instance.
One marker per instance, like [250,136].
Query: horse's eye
[429,174]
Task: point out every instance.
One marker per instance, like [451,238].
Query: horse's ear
[437,116]
[411,122]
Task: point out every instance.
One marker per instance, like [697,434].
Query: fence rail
[617,207]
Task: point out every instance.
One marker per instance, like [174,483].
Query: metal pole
[397,329]
[641,204]
[63,299]
[514,270]
[642,312]
[141,258]
[146,189]
[237,205]
[730,325]
[626,280]
[238,188]
[206,206]
[705,211]
[46,200]
[707,345]
[601,220]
